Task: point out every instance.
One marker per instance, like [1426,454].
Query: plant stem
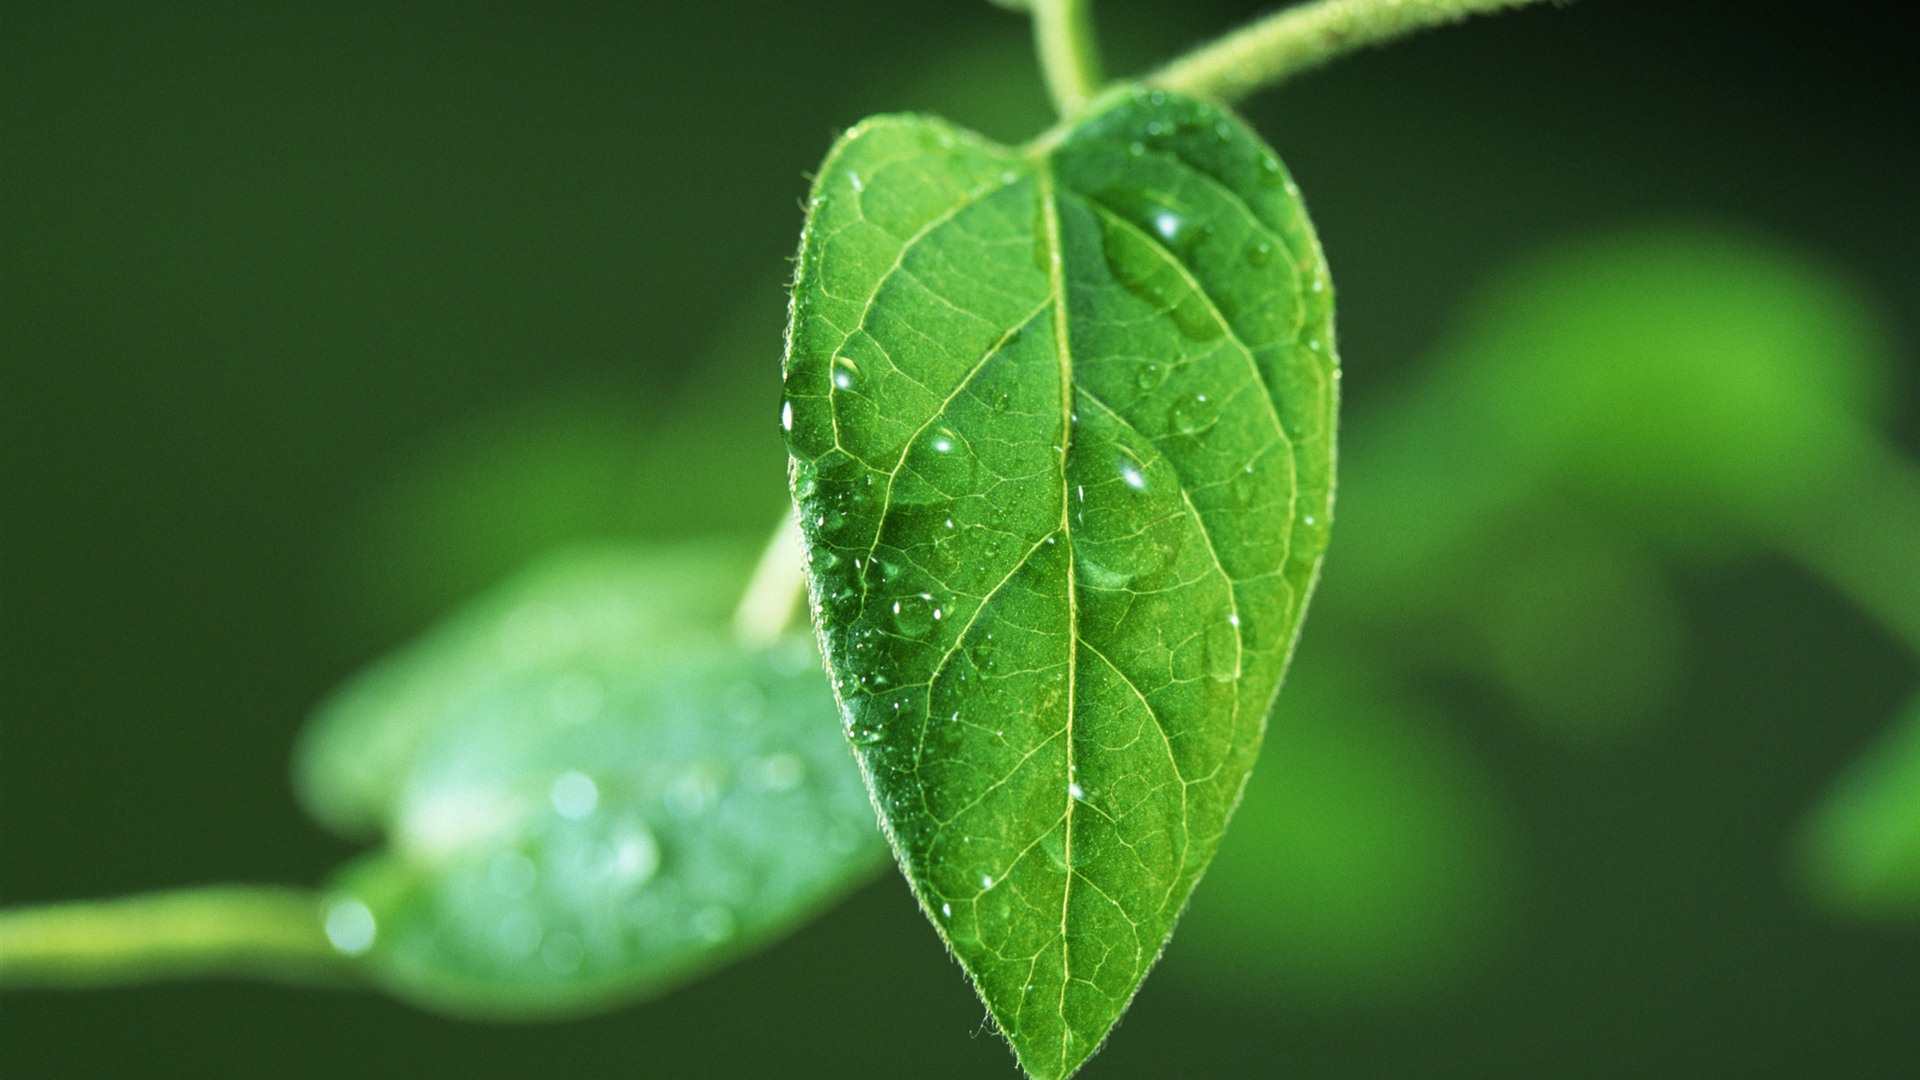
[774,593]
[1300,38]
[1069,55]
[221,930]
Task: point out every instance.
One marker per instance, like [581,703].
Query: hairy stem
[1069,55]
[254,931]
[1303,37]
[774,593]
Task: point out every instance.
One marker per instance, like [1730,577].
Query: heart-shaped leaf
[1062,423]
[588,790]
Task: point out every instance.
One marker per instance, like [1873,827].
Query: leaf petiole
[256,931]
[1304,37]
[1069,54]
[775,591]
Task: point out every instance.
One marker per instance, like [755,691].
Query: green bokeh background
[315,319]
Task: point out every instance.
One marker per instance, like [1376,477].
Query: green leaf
[1862,846]
[1062,427]
[588,790]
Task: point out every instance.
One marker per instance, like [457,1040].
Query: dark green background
[254,256]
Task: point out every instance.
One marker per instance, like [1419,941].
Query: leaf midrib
[1056,280]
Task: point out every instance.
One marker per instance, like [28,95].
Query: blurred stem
[1304,37]
[774,593]
[1069,54]
[221,930]
[1863,537]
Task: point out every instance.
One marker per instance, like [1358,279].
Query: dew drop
[1259,253]
[786,416]
[1195,319]
[1099,576]
[350,926]
[1150,376]
[1193,415]
[574,795]
[846,374]
[636,854]
[986,881]
[913,616]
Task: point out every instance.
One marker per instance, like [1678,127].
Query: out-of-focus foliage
[588,790]
[1678,372]
[1667,391]
[1580,628]
[1861,849]
[488,493]
[1370,861]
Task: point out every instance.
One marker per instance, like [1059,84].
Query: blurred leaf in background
[1683,373]
[1610,404]
[1371,860]
[588,789]
[488,492]
[1861,848]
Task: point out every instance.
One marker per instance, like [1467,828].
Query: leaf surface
[1062,428]
[588,790]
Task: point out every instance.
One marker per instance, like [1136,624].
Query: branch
[1304,37]
[1069,57]
[223,930]
[774,593]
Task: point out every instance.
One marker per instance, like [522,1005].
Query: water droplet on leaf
[1193,415]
